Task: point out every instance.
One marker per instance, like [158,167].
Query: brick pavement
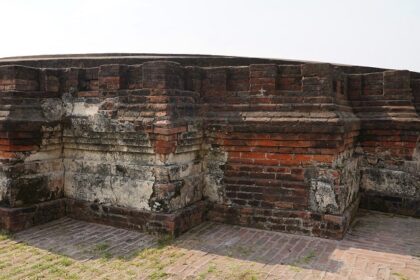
[378,246]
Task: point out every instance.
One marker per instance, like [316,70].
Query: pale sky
[360,32]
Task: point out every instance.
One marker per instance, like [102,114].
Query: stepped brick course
[163,145]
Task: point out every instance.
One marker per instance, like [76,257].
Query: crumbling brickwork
[386,103]
[162,145]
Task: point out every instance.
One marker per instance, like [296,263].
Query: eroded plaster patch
[214,161]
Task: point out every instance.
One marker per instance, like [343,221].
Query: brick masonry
[161,146]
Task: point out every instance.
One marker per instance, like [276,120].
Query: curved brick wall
[163,145]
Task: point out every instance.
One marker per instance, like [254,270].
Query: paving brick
[71,249]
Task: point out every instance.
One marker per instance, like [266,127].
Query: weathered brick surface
[389,140]
[287,147]
[30,136]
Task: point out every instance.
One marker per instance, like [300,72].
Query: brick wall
[31,169]
[276,146]
[389,140]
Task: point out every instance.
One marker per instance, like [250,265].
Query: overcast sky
[361,32]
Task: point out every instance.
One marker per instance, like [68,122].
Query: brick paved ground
[379,246]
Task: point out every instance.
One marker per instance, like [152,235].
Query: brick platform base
[173,223]
[16,219]
[390,204]
[291,221]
